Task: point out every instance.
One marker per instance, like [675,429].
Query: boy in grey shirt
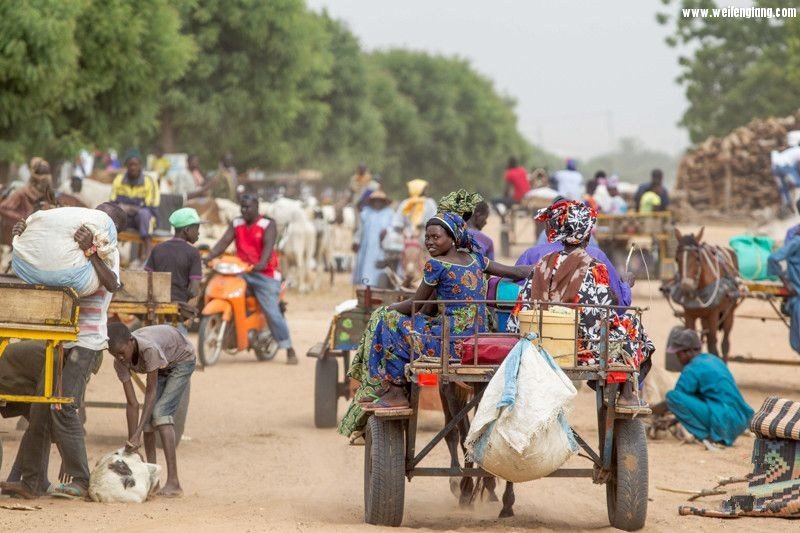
[168,360]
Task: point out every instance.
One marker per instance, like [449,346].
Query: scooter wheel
[209,345]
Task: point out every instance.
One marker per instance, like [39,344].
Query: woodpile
[733,175]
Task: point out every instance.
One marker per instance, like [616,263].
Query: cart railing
[456,369]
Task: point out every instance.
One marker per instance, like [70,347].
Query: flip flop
[68,492]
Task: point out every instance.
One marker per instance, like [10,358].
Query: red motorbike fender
[217,306]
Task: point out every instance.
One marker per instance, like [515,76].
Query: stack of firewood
[733,175]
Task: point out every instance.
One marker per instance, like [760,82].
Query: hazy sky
[584,73]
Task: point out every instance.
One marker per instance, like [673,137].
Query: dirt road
[255,462]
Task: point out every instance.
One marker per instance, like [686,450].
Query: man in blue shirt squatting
[705,400]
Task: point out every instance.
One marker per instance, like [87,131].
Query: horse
[455,397]
[706,288]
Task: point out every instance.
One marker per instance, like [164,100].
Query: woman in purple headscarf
[394,337]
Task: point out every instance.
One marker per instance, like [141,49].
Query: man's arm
[222,244]
[147,410]
[790,248]
[195,275]
[268,244]
[107,277]
[131,407]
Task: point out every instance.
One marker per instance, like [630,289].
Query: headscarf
[40,178]
[457,229]
[568,221]
[460,202]
[414,206]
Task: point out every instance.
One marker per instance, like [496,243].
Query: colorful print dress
[391,339]
[628,342]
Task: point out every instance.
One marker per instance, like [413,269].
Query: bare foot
[171,491]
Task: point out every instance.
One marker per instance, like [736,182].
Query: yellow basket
[557,334]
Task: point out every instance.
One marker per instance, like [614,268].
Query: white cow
[121,477]
[296,239]
[93,192]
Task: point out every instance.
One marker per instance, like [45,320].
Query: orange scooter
[231,319]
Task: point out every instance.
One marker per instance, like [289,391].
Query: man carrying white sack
[82,357]
[47,252]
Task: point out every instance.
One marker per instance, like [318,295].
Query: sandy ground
[255,462]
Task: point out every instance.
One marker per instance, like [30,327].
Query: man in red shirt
[517,184]
[255,238]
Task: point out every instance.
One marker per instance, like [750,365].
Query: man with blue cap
[178,257]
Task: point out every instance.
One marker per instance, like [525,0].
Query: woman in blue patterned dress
[395,336]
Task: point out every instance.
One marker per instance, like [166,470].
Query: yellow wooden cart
[36,312]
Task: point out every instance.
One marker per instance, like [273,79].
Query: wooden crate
[380,297]
[36,305]
[136,287]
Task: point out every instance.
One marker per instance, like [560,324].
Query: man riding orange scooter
[255,238]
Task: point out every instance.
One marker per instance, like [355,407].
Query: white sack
[46,253]
[520,432]
[121,477]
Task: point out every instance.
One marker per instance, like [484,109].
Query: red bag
[492,349]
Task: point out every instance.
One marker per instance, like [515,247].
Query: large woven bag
[778,418]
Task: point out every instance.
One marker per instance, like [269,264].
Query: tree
[632,162]
[737,68]
[444,122]
[256,87]
[84,72]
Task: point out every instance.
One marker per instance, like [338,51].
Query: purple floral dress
[399,338]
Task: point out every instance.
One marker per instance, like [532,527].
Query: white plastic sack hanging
[520,431]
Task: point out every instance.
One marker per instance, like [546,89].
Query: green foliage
[277,85]
[444,122]
[735,69]
[256,87]
[632,162]
[84,72]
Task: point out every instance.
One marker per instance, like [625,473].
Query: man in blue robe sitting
[705,400]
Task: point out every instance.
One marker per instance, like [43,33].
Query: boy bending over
[168,359]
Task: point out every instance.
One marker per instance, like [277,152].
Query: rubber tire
[207,359]
[268,355]
[384,472]
[180,417]
[626,491]
[326,393]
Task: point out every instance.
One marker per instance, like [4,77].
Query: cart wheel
[626,491]
[208,347]
[180,417]
[326,383]
[384,472]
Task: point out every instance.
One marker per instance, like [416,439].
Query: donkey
[454,397]
[707,288]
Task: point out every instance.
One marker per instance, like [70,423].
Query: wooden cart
[390,454]
[344,334]
[617,233]
[36,312]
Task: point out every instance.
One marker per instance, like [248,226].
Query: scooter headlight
[228,269]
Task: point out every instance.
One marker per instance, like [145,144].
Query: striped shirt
[93,317]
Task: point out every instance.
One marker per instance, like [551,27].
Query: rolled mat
[778,418]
